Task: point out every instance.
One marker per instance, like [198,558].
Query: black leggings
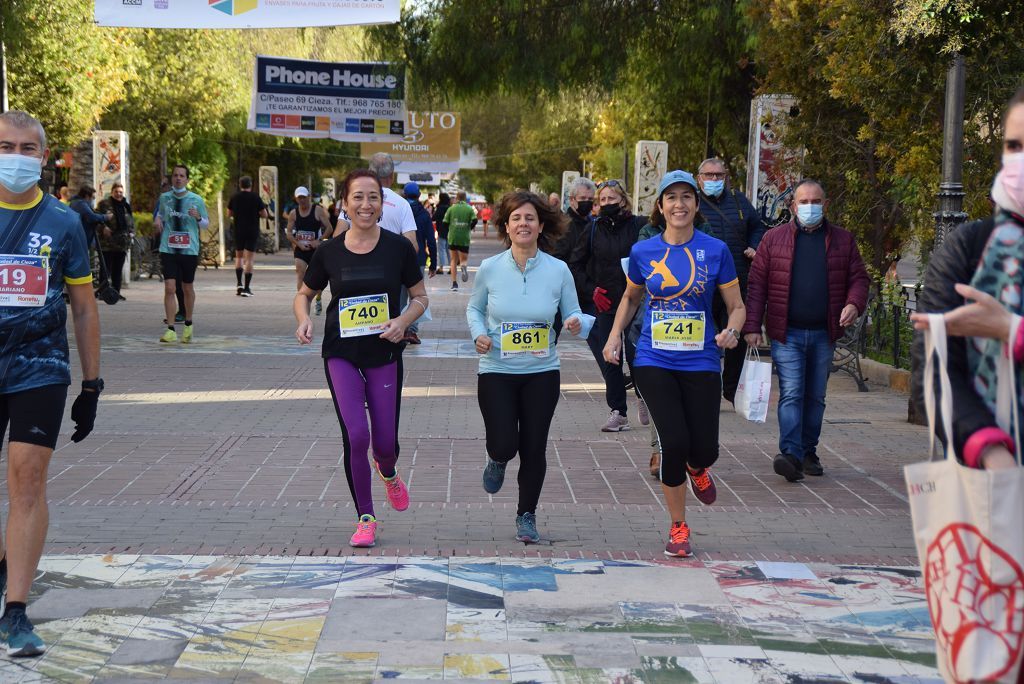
[517,411]
[684,406]
[115,264]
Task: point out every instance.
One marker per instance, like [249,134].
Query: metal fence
[889,332]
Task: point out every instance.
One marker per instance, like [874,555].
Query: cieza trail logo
[975,596]
[234,7]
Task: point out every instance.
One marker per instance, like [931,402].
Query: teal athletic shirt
[179,227]
[33,332]
[504,295]
[680,279]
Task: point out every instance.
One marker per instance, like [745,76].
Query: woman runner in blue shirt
[516,296]
[677,368]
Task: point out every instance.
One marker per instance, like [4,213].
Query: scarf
[1000,275]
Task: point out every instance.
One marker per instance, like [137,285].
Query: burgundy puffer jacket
[772,270]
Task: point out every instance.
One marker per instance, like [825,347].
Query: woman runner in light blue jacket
[516,296]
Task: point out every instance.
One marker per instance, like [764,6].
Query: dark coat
[955,261]
[772,271]
[577,225]
[732,219]
[424,234]
[596,259]
[439,212]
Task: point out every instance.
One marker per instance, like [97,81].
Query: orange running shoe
[702,485]
[678,541]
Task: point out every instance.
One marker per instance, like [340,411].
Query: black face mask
[611,211]
[584,208]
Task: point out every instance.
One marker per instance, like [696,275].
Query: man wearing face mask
[42,250]
[807,283]
[730,217]
[180,216]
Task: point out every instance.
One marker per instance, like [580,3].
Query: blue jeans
[803,364]
[442,252]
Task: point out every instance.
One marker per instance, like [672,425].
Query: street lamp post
[951,190]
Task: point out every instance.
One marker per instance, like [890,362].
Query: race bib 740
[364,315]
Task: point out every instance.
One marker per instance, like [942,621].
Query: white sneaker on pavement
[616,422]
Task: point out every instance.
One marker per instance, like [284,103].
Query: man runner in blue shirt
[42,249]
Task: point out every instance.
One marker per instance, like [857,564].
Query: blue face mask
[810,214]
[714,188]
[18,173]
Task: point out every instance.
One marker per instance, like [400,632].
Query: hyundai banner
[243,14]
[352,101]
[432,144]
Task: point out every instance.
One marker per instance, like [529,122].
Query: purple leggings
[355,390]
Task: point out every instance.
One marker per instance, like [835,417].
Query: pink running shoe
[366,532]
[703,485]
[397,492]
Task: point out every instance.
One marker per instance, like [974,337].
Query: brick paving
[232,446]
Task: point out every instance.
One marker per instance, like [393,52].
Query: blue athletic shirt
[179,227]
[34,339]
[506,301]
[680,278]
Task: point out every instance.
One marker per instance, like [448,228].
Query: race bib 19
[364,315]
[677,330]
[520,339]
[178,240]
[23,280]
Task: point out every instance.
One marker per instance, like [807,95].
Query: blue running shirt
[681,281]
[33,336]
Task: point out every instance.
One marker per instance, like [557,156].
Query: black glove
[83,412]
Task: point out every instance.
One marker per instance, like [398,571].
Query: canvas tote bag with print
[969,532]
[754,388]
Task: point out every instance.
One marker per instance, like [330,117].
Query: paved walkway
[211,496]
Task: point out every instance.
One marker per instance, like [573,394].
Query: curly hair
[359,173]
[552,221]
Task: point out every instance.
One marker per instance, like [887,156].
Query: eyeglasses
[713,175]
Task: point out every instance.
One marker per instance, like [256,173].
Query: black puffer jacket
[577,225]
[596,259]
[954,262]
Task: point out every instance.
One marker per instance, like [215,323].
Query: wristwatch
[734,331]
[94,385]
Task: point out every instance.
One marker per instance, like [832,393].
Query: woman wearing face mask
[596,265]
[989,255]
[366,268]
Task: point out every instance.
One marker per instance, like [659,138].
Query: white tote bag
[969,532]
[754,388]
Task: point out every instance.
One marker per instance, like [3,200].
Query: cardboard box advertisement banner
[348,101]
[432,144]
[242,14]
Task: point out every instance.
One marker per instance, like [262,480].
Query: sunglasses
[609,184]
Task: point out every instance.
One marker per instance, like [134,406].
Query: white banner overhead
[242,14]
[351,101]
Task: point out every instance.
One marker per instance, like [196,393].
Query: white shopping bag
[754,388]
[969,532]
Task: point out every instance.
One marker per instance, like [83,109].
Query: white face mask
[19,172]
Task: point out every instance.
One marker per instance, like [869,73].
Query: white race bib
[23,280]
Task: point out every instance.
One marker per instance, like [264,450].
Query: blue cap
[677,176]
[412,191]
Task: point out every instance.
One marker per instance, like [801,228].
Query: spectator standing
[116,236]
[82,204]
[807,283]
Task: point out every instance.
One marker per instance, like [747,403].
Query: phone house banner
[347,101]
[243,14]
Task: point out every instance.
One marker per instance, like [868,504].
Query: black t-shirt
[246,206]
[384,270]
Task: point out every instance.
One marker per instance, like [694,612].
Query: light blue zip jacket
[504,294]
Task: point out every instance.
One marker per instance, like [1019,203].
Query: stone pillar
[651,165]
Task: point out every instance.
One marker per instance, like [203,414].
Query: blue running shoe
[494,476]
[16,630]
[526,528]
